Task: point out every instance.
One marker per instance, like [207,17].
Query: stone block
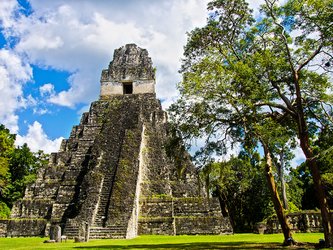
[55,233]
[202,225]
[26,227]
[3,228]
[156,226]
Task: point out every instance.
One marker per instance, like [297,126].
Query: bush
[4,211]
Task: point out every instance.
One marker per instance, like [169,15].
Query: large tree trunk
[324,208]
[283,182]
[275,197]
[223,201]
[303,135]
[224,206]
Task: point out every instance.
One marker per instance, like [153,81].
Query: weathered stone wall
[299,222]
[152,207]
[32,209]
[3,228]
[157,226]
[123,193]
[130,62]
[117,88]
[130,65]
[196,206]
[107,144]
[26,227]
[170,196]
[203,225]
[190,215]
[49,197]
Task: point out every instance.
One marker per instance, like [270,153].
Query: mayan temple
[113,178]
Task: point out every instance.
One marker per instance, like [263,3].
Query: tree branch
[285,42]
[283,97]
[326,114]
[275,105]
[316,52]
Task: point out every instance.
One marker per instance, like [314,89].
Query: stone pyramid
[113,177]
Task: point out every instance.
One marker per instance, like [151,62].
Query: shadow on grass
[198,245]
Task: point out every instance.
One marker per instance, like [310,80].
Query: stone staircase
[104,201]
[71,230]
[111,232]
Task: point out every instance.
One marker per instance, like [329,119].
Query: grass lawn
[236,241]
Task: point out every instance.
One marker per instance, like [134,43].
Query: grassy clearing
[236,241]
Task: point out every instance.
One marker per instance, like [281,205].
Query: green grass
[236,241]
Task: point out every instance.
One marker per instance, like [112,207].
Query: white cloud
[37,139]
[13,74]
[41,111]
[7,7]
[46,89]
[299,157]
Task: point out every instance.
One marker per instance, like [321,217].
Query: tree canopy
[246,79]
[18,168]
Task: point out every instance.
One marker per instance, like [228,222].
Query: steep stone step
[112,232]
[104,199]
[71,231]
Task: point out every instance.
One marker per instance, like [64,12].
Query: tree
[6,148]
[23,166]
[271,135]
[239,72]
[18,168]
[301,176]
[282,155]
[324,150]
[241,189]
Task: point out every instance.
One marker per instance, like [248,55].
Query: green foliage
[22,163]
[6,148]
[238,72]
[176,150]
[241,187]
[295,188]
[292,207]
[301,186]
[18,168]
[23,166]
[4,210]
[325,158]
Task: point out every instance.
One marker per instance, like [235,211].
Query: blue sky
[52,54]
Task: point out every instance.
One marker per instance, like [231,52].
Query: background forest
[18,168]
